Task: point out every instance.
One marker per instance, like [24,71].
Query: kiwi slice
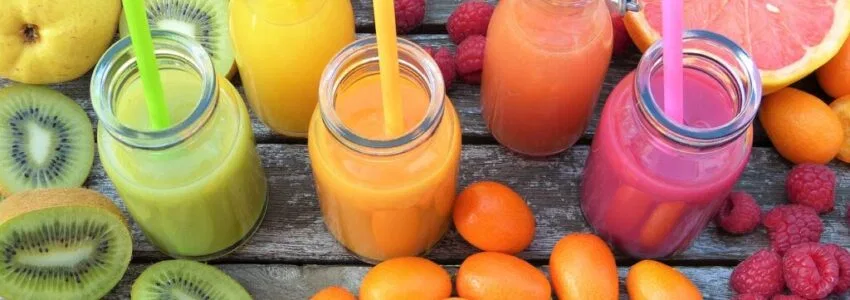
[185,279]
[206,21]
[63,243]
[48,140]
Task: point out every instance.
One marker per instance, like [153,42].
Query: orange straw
[388,63]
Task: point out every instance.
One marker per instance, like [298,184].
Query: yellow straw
[388,63]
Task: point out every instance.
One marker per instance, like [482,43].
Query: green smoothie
[202,197]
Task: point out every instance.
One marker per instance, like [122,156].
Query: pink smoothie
[647,195]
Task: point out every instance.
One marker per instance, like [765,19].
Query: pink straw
[671,18]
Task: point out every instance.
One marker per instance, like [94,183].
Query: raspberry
[749,297]
[788,225]
[810,270]
[759,274]
[408,14]
[470,18]
[812,185]
[446,61]
[842,256]
[470,58]
[740,214]
[787,297]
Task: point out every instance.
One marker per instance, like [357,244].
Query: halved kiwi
[185,279]
[50,140]
[68,243]
[206,21]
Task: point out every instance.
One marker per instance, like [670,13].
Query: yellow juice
[282,47]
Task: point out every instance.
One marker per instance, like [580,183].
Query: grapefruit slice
[788,39]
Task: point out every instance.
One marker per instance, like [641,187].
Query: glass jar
[651,184]
[197,188]
[281,48]
[384,197]
[545,62]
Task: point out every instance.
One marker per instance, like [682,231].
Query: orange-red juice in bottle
[383,196]
[544,65]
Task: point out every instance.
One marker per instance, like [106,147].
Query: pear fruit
[51,41]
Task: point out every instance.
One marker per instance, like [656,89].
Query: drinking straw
[671,18]
[140,35]
[388,64]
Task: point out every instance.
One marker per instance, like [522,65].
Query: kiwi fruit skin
[68,164]
[33,202]
[220,48]
[191,277]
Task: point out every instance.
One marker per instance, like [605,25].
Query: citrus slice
[788,39]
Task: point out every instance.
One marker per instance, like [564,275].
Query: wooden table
[292,255]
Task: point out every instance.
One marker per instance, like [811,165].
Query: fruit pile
[48,255]
[496,220]
[795,258]
[467,28]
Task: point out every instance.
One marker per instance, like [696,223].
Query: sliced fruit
[582,266]
[788,39]
[406,278]
[184,279]
[61,244]
[652,280]
[802,127]
[206,21]
[50,140]
[841,107]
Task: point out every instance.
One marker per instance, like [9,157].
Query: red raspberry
[408,14]
[749,297]
[740,214]
[788,225]
[446,61]
[470,58]
[759,274]
[787,297]
[470,18]
[812,185]
[810,270]
[842,256]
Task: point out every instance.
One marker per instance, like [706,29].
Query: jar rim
[336,72]
[119,60]
[742,72]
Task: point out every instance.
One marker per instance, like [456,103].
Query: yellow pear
[50,41]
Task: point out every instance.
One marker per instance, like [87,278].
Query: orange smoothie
[545,62]
[281,48]
[381,206]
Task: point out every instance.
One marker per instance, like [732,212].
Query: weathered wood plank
[274,281]
[293,231]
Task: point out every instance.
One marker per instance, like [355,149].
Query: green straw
[140,35]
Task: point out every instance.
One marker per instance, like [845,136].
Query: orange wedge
[788,39]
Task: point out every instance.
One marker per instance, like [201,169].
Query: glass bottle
[281,48]
[384,197]
[197,188]
[544,62]
[651,184]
